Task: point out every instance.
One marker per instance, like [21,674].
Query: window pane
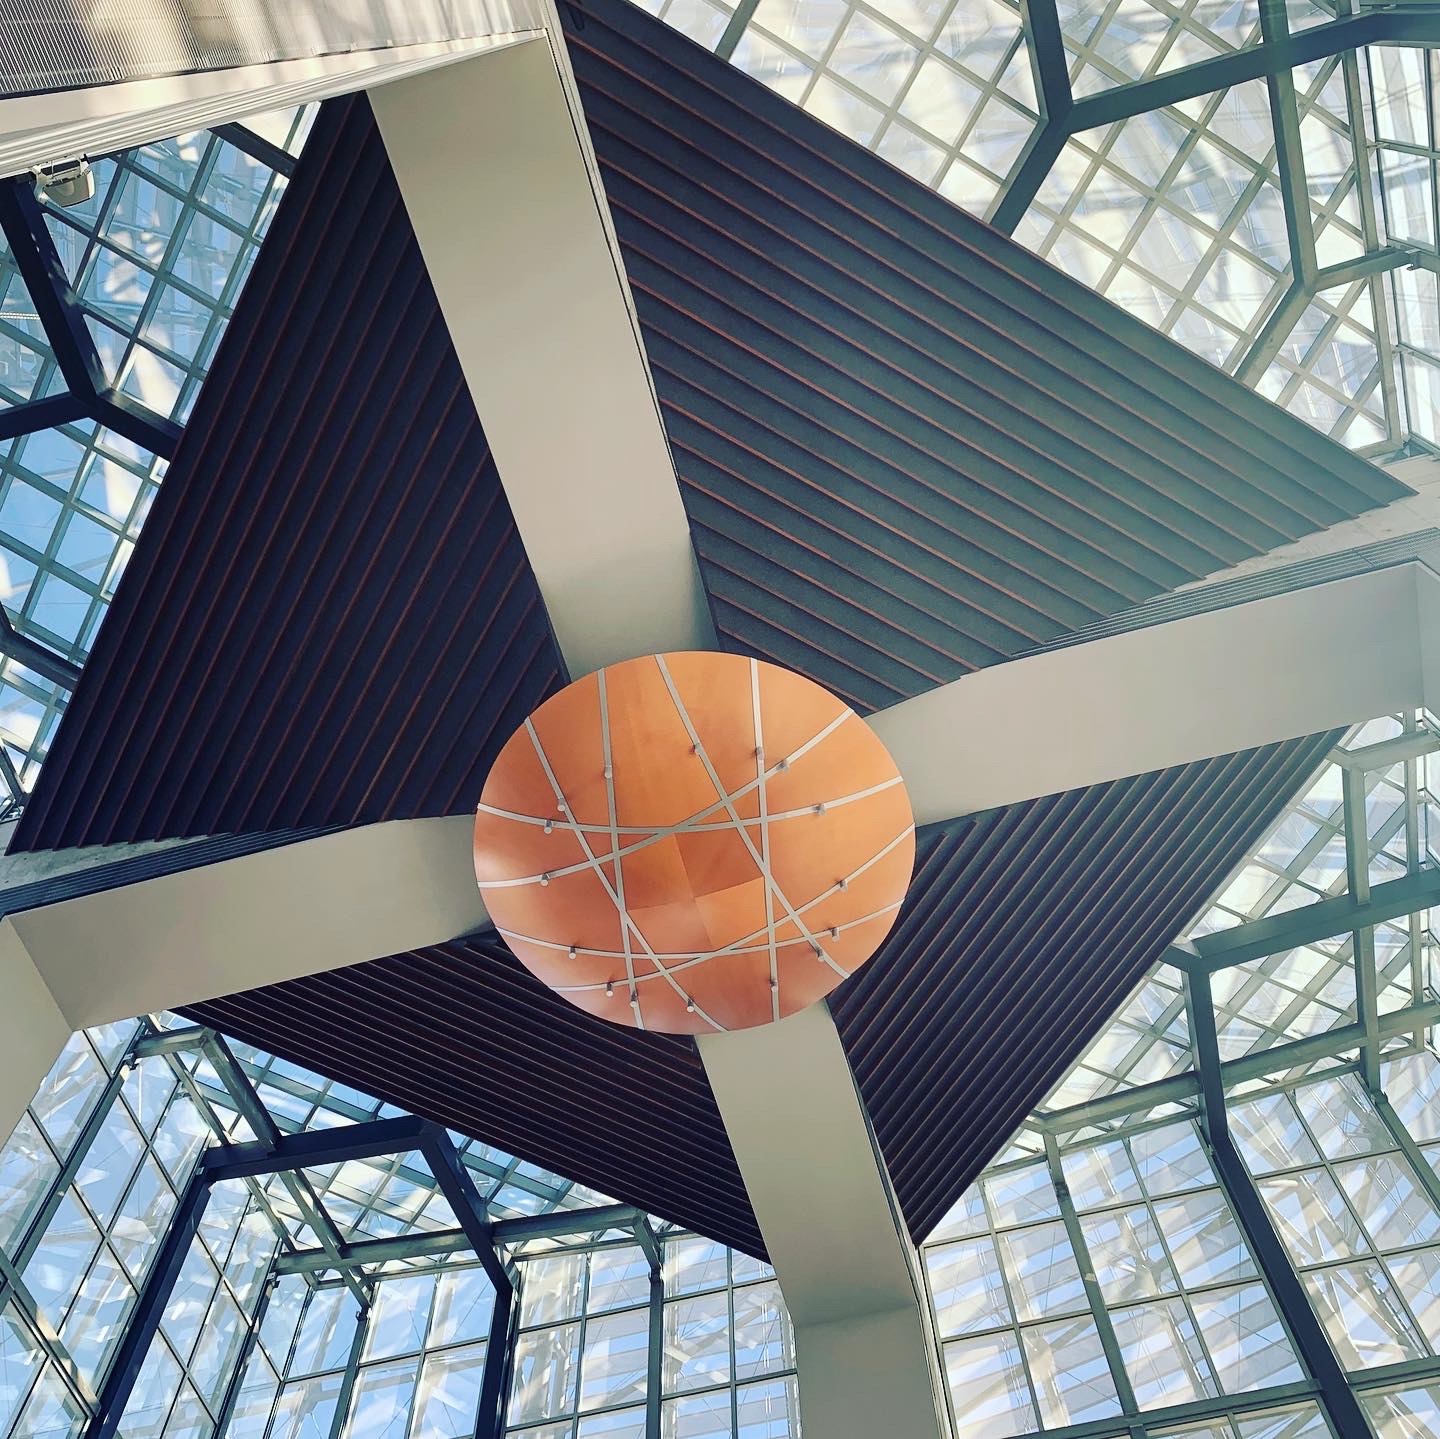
[27,1169]
[20,1360]
[1044,1278]
[464,1303]
[618,1279]
[1245,1338]
[1162,1355]
[768,1411]
[1071,1376]
[762,1331]
[399,1318]
[448,1393]
[1313,1218]
[1386,1196]
[1363,1315]
[967,1286]
[1128,1256]
[989,1394]
[697,1342]
[380,1405]
[552,1289]
[1204,1239]
[545,1365]
[1405,1414]
[307,1408]
[617,1348]
[701,1416]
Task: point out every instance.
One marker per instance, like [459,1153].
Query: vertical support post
[1357,875]
[352,1368]
[470,1210]
[494,1384]
[236,1382]
[1312,1344]
[1289,153]
[125,1365]
[1205,1051]
[655,1356]
[1098,1310]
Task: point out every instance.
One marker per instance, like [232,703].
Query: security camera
[69,183]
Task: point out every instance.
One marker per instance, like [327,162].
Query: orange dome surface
[692,842]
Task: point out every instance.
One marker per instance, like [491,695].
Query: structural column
[865,1344]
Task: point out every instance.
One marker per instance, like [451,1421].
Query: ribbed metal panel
[465,1035]
[908,447]
[1025,930]
[329,618]
[59,44]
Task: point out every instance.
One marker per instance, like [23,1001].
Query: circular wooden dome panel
[692,842]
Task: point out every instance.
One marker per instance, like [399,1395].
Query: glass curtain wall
[1225,1221]
[172,1219]
[155,263]
[1279,219]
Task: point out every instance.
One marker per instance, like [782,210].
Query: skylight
[1279,220]
[156,262]
[1241,1173]
[112,1314]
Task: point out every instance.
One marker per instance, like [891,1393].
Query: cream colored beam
[33,1028]
[868,1363]
[339,899]
[502,188]
[1252,674]
[100,119]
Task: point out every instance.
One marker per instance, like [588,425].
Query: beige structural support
[1273,669]
[503,190]
[866,1355]
[322,903]
[33,1027]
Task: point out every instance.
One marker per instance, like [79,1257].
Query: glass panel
[546,1361]
[697,1342]
[617,1348]
[1071,1377]
[967,1287]
[1044,1279]
[448,1393]
[1364,1315]
[989,1393]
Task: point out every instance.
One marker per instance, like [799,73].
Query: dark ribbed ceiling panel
[1025,930]
[463,1034]
[329,617]
[908,447]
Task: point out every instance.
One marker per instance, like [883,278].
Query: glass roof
[347,1298]
[1264,1106]
[156,261]
[1284,227]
